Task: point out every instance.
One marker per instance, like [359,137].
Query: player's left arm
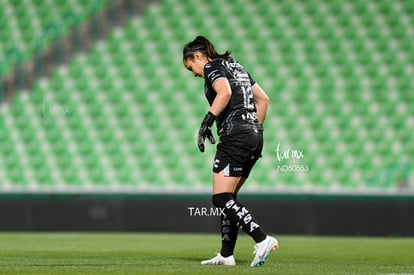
[223,90]
[262,102]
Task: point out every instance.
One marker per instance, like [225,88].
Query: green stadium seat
[26,25]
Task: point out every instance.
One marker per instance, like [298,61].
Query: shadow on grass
[198,260]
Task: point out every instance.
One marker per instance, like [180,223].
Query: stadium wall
[280,214]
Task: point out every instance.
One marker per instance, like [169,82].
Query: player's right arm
[262,102]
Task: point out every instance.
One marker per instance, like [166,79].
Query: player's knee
[220,200]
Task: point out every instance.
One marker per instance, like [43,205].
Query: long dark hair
[203,45]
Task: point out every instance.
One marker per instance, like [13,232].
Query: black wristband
[209,119]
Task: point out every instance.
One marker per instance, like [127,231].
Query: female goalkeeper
[238,105]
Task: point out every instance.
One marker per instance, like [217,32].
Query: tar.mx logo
[289,159]
[55,109]
[205,212]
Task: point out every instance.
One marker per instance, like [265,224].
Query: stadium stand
[28,26]
[123,116]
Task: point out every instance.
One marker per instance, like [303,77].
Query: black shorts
[237,154]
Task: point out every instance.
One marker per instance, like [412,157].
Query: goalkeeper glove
[205,131]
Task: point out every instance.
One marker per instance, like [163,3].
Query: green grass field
[130,253]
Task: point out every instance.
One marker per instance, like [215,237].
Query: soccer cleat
[262,250]
[220,260]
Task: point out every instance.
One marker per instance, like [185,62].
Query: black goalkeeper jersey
[240,113]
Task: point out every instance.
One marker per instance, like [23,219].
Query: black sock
[229,232]
[239,215]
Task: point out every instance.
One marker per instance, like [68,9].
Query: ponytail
[203,45]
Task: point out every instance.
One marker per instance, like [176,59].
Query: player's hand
[205,131]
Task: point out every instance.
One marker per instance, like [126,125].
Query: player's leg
[242,180]
[228,178]
[234,215]
[261,250]
[269,244]
[229,227]
[223,197]
[229,230]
